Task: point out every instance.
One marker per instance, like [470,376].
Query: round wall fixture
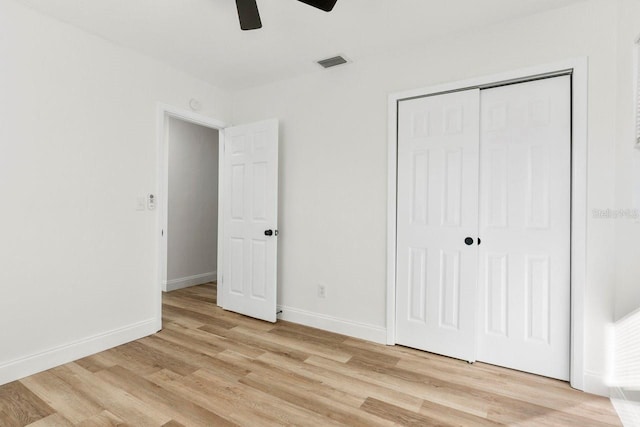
[194,104]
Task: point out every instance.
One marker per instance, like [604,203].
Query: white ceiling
[203,37]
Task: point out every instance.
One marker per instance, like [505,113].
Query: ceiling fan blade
[248,14]
[326,5]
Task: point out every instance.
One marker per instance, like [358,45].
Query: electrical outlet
[322,291]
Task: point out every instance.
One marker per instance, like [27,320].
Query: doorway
[575,71]
[192,125]
[247,213]
[192,205]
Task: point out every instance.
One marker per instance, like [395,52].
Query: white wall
[627,246]
[78,146]
[334,161]
[193,204]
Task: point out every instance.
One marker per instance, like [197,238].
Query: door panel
[437,208]
[251,187]
[525,193]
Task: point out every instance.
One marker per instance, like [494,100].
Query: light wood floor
[213,368]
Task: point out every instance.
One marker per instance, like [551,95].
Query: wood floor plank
[206,342]
[209,314]
[65,399]
[95,363]
[399,416]
[177,319]
[288,378]
[327,408]
[305,333]
[355,386]
[103,419]
[184,352]
[177,314]
[203,361]
[452,416]
[515,404]
[179,407]
[524,388]
[264,406]
[53,420]
[115,400]
[199,296]
[156,358]
[210,367]
[305,347]
[331,342]
[493,398]
[237,404]
[421,390]
[260,342]
[179,335]
[20,406]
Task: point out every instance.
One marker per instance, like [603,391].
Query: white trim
[628,408]
[220,262]
[579,68]
[636,93]
[392,219]
[333,324]
[164,112]
[579,145]
[38,362]
[185,282]
[594,383]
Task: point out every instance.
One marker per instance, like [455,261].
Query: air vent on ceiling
[332,62]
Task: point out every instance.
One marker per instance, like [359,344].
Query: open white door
[250,247]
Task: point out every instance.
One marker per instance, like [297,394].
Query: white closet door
[437,209]
[525,193]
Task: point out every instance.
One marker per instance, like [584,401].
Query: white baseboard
[628,409]
[334,324]
[32,364]
[185,282]
[594,383]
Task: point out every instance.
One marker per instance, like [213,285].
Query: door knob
[468,241]
[268,232]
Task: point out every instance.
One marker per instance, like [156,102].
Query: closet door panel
[438,145]
[525,211]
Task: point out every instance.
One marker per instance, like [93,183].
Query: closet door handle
[468,241]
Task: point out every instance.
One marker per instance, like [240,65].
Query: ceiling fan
[250,17]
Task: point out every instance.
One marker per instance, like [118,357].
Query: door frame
[163,113]
[578,68]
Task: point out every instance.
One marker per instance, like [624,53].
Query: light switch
[151,202]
